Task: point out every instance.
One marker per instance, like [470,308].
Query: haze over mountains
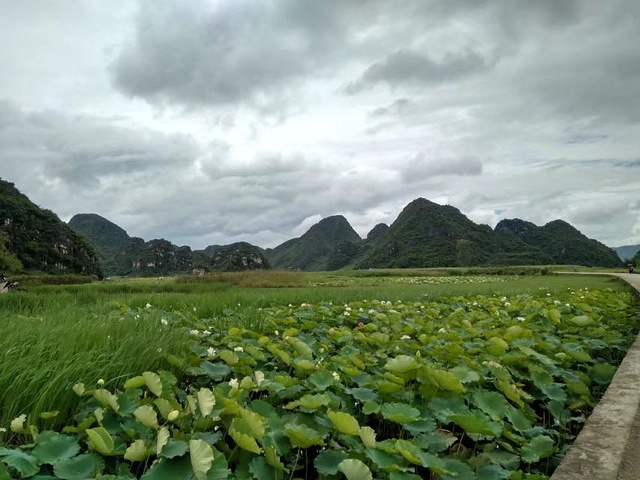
[425,234]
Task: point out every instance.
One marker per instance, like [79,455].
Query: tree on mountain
[8,261]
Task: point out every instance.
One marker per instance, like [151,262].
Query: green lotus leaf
[327,462]
[580,355]
[217,371]
[383,460]
[313,402]
[107,399]
[135,382]
[457,470]
[100,439]
[344,422]
[492,472]
[136,452]
[582,320]
[446,381]
[577,386]
[161,439]
[478,423]
[170,469]
[302,436]
[510,391]
[174,448]
[401,364]
[492,403]
[368,437]
[305,365]
[165,407]
[400,412]
[403,476]
[206,401]
[81,467]
[23,462]
[321,380]
[602,373]
[554,315]
[539,447]
[464,374]
[153,382]
[554,392]
[518,419]
[355,470]
[253,424]
[52,447]
[363,394]
[48,415]
[370,407]
[499,342]
[201,457]
[229,357]
[271,455]
[147,416]
[244,441]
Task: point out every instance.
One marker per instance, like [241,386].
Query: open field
[389,375]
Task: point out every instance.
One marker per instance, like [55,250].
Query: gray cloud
[209,122]
[410,67]
[420,168]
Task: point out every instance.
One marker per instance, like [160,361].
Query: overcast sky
[208,122]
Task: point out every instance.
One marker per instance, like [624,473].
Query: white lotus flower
[164,321]
[507,304]
[442,330]
[211,352]
[233,383]
[148,305]
[259,377]
[520,319]
[101,381]
[238,349]
[405,337]
[336,377]
[194,332]
[206,332]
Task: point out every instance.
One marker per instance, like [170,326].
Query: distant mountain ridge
[426,234]
[562,242]
[123,255]
[34,239]
[330,244]
[627,252]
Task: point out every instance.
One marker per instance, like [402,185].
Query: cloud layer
[210,122]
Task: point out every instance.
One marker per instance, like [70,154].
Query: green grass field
[55,336]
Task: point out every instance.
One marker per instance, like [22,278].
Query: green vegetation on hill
[35,239]
[561,241]
[237,257]
[426,234]
[328,245]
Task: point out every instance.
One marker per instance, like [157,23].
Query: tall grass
[45,354]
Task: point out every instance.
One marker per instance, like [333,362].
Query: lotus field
[483,387]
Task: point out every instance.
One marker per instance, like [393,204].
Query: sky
[214,121]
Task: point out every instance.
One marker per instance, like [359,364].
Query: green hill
[561,241]
[330,244]
[34,239]
[237,257]
[108,239]
[426,234]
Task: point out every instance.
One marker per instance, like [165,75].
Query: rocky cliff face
[35,239]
